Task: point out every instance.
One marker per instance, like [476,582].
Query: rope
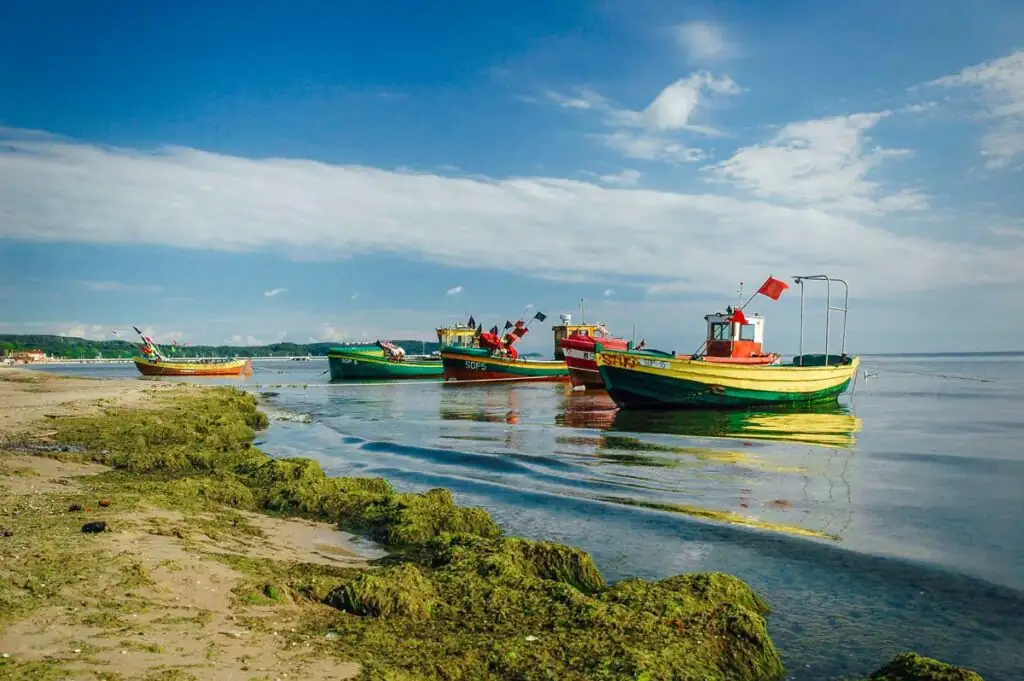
[979,379]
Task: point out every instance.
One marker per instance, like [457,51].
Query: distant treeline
[79,348]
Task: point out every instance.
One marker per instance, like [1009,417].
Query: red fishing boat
[575,344]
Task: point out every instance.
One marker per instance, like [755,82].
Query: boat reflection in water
[830,425]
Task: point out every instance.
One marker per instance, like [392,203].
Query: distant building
[28,356]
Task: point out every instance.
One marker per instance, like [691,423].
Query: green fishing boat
[381,360]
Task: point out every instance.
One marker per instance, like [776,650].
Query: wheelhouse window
[721,332]
[747,332]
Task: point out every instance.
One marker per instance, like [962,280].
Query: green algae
[455,599]
[401,591]
[914,667]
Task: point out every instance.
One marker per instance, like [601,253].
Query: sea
[891,522]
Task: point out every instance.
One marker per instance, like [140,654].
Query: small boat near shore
[154,363]
[199,367]
[642,378]
[380,360]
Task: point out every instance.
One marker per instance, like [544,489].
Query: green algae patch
[914,667]
[510,608]
[456,599]
[401,591]
[518,558]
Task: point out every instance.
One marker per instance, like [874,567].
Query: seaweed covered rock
[418,518]
[513,557]
[510,608]
[397,591]
[914,667]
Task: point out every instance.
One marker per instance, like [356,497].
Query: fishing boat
[642,378]
[494,357]
[382,359]
[575,344]
[198,367]
[154,363]
[385,360]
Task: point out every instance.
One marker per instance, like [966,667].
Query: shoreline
[454,597]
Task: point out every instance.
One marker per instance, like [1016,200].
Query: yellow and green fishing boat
[653,379]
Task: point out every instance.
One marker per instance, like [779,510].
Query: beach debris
[93,528]
[531,638]
[74,508]
[104,502]
[6,532]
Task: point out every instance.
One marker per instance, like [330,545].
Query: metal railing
[829,309]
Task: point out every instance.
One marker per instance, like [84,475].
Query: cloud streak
[274,292]
[59,191]
[454,291]
[1000,83]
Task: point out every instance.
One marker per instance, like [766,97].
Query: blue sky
[383,169]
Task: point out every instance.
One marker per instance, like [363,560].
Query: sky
[255,172]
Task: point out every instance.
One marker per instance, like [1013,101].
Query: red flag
[773,288]
[738,317]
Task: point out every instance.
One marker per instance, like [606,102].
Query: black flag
[494,330]
[472,322]
[508,324]
[137,330]
[479,329]
[540,316]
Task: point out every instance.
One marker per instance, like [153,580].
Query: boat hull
[473,364]
[365,364]
[653,380]
[234,368]
[580,359]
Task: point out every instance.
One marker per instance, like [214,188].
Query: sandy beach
[178,613]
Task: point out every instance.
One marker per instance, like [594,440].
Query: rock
[6,532]
[74,508]
[104,502]
[93,528]
[914,667]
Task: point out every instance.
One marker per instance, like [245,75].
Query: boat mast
[583,316]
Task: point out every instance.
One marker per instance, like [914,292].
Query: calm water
[897,517]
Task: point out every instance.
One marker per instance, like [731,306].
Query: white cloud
[1001,86]
[703,41]
[625,178]
[454,291]
[238,339]
[273,292]
[674,106]
[354,296]
[651,147]
[608,292]
[822,163]
[58,191]
[647,134]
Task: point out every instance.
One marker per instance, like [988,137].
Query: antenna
[739,293]
[583,316]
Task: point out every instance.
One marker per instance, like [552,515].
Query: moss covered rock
[400,591]
[914,667]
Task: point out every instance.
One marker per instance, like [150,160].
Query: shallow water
[890,523]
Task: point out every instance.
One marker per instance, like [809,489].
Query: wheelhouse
[729,338]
